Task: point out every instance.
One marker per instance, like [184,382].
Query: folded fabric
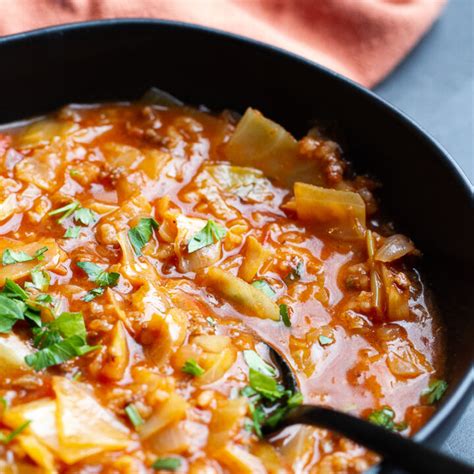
[361,39]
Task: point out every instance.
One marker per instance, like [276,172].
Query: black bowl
[424,190]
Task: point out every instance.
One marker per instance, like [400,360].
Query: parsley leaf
[66,210]
[133,415]
[262,285]
[61,340]
[5,439]
[91,294]
[9,256]
[208,235]
[254,361]
[166,464]
[435,391]
[85,216]
[13,290]
[265,385]
[385,418]
[72,232]
[285,317]
[142,233]
[39,280]
[191,367]
[98,275]
[11,310]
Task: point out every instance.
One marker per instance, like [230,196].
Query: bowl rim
[437,150]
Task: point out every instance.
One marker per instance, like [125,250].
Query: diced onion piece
[12,355]
[19,468]
[396,299]
[239,461]
[254,255]
[395,247]
[172,410]
[260,143]
[44,131]
[155,96]
[216,365]
[51,258]
[100,430]
[117,354]
[296,448]
[178,437]
[243,295]
[38,452]
[404,361]
[8,207]
[269,457]
[340,213]
[40,169]
[227,420]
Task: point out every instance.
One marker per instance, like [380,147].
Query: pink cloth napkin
[361,39]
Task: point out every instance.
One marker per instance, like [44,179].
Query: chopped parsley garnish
[66,211]
[58,341]
[254,361]
[9,256]
[263,286]
[208,235]
[5,439]
[85,216]
[141,234]
[385,418]
[72,232]
[11,311]
[39,280]
[166,464]
[269,402]
[80,214]
[91,294]
[98,275]
[435,391]
[325,341]
[191,367]
[295,274]
[284,314]
[133,415]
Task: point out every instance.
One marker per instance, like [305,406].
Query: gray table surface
[435,87]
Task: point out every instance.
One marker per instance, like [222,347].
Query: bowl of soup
[173,202]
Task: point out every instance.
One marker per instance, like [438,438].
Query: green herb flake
[191,367]
[265,385]
[98,275]
[61,340]
[141,234]
[284,314]
[383,417]
[435,391]
[264,286]
[208,235]
[11,311]
[133,415]
[325,341]
[166,464]
[5,439]
[40,280]
[92,294]
[254,361]
[66,211]
[85,216]
[72,232]
[13,290]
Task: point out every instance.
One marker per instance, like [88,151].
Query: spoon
[398,450]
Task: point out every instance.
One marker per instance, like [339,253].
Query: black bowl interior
[424,190]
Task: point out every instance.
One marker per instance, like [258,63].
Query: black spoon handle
[400,451]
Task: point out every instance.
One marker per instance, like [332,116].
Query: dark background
[435,87]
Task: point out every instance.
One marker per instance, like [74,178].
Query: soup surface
[149,252]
